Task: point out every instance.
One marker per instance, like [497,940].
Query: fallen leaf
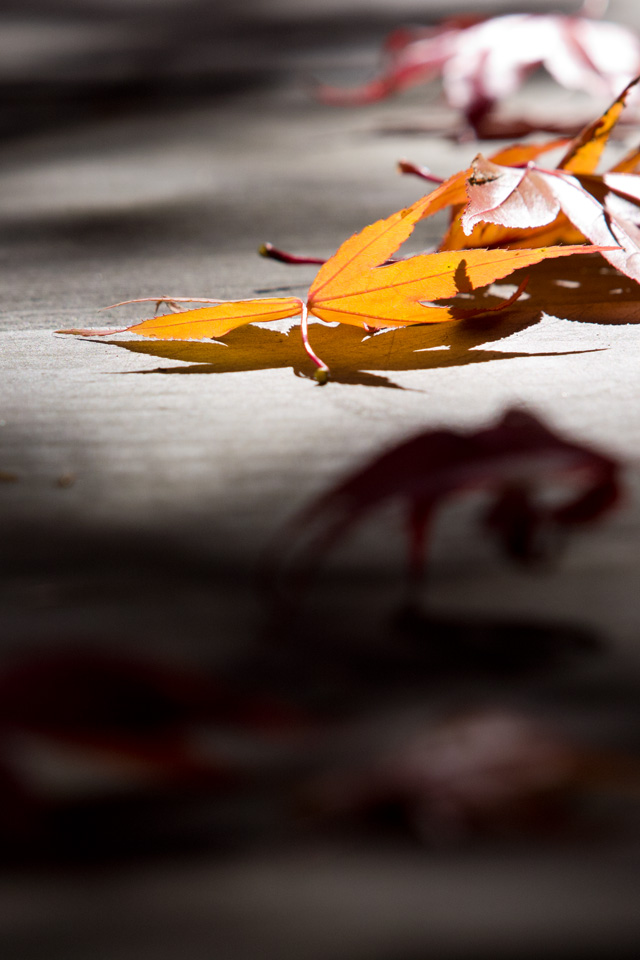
[514,198]
[484,62]
[585,150]
[581,158]
[486,235]
[134,712]
[483,772]
[356,287]
[514,459]
[217,320]
[393,295]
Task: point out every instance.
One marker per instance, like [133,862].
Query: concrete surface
[141,482]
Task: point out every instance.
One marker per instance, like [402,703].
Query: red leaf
[514,458]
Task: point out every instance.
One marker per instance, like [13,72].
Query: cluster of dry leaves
[507,213]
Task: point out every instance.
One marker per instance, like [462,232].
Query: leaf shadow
[350,356]
[586,290]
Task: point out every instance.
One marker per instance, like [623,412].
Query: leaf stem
[274,253]
[322,373]
[406,166]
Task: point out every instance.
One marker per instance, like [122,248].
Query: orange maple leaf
[357,286]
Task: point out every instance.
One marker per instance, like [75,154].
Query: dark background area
[63,63]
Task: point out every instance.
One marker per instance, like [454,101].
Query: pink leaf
[482,63]
[507,196]
[524,198]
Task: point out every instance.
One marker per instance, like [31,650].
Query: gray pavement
[142,481]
